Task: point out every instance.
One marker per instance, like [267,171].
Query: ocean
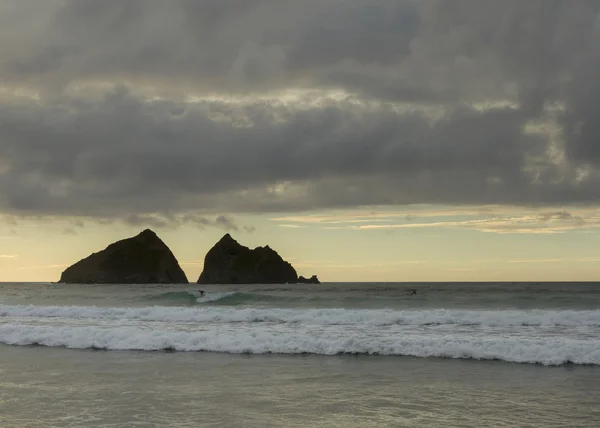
[328,355]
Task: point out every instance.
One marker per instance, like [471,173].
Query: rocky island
[229,262]
[312,280]
[142,259]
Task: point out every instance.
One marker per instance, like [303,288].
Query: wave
[172,296]
[214,297]
[238,298]
[225,298]
[328,316]
[273,298]
[543,350]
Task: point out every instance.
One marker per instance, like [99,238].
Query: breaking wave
[547,351]
[400,299]
[213,297]
[550,337]
[222,298]
[328,316]
[189,297]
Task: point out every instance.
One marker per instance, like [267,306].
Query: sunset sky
[379,140]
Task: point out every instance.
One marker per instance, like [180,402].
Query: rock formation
[312,280]
[228,262]
[142,259]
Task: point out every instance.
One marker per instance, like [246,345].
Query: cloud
[73,225]
[556,260]
[173,221]
[490,219]
[250,228]
[122,155]
[501,225]
[143,110]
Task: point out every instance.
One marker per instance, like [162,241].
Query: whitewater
[547,324]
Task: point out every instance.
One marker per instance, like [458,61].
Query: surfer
[201,292]
[414,292]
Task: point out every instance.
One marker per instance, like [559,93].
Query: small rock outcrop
[142,259]
[312,280]
[229,262]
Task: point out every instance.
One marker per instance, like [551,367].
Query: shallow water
[43,387]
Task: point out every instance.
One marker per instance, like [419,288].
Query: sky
[364,140]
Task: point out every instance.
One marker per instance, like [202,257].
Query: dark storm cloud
[170,220]
[122,153]
[485,70]
[229,45]
[201,44]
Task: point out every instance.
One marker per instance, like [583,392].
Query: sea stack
[229,262]
[312,280]
[142,259]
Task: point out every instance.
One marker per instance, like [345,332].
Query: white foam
[379,317]
[330,340]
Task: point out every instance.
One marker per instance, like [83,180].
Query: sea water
[354,354]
